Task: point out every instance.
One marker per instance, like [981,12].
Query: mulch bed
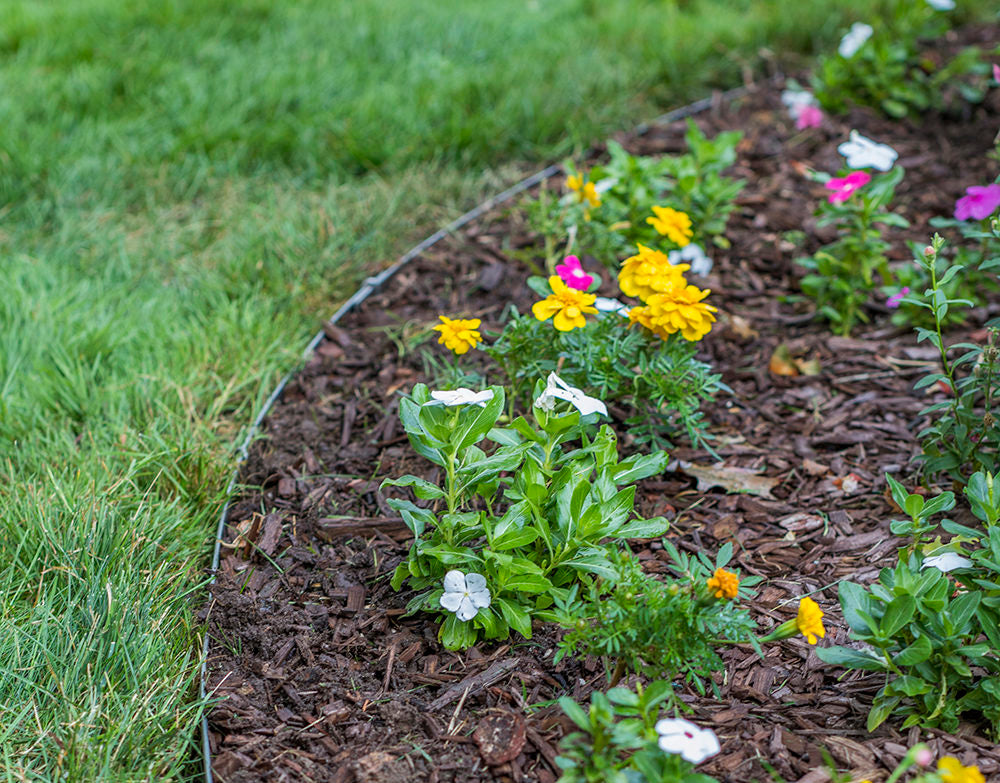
[319,674]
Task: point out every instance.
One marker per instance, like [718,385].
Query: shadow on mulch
[323,678]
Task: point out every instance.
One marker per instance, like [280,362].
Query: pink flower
[809,117]
[979,204]
[996,73]
[572,274]
[843,187]
[893,301]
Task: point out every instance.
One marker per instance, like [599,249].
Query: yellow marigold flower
[674,225]
[650,272]
[460,334]
[585,191]
[565,306]
[951,771]
[810,620]
[725,584]
[680,310]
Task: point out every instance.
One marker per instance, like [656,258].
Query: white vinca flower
[608,305]
[694,256]
[797,100]
[863,153]
[854,39]
[682,737]
[947,561]
[942,5]
[461,396]
[465,594]
[557,388]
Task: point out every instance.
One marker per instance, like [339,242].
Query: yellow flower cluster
[459,335]
[674,225]
[585,191]
[565,306]
[650,272]
[724,584]
[671,305]
[810,620]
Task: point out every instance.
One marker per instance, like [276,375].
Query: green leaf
[516,617]
[881,709]
[514,538]
[422,488]
[918,652]
[644,528]
[575,712]
[527,583]
[851,659]
[856,604]
[960,610]
[897,615]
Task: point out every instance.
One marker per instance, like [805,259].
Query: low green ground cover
[186,189]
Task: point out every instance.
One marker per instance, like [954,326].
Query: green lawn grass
[187,188]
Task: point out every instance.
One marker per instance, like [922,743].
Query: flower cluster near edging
[529,520]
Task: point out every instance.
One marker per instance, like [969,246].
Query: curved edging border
[367,288]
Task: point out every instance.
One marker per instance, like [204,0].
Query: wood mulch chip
[320,676]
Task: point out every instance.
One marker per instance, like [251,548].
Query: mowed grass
[187,188]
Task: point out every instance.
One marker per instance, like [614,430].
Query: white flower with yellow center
[465,594]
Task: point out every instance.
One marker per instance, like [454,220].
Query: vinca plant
[930,623]
[887,65]
[623,739]
[843,273]
[538,512]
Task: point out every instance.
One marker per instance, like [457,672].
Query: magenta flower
[572,274]
[893,301]
[809,117]
[996,73]
[979,204]
[843,187]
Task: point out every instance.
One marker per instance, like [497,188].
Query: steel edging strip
[366,289]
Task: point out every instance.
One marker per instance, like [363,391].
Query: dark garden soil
[319,674]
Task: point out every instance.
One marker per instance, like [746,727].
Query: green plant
[620,740]
[931,623]
[659,629]
[920,510]
[531,517]
[962,434]
[842,272]
[896,69]
[628,187]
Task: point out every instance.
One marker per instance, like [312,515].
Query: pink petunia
[843,187]
[809,117]
[893,301]
[979,203]
[571,273]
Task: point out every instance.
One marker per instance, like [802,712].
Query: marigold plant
[650,272]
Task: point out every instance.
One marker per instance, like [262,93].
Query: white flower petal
[556,387]
[692,255]
[461,396]
[797,100]
[481,598]
[942,5]
[947,561]
[862,153]
[454,582]
[854,39]
[452,601]
[467,610]
[682,737]
[475,582]
[607,305]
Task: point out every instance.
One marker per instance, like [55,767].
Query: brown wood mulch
[321,677]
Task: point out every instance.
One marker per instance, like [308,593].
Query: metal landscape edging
[367,288]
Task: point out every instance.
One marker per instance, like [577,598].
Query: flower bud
[988,420]
[991,354]
[923,755]
[929,251]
